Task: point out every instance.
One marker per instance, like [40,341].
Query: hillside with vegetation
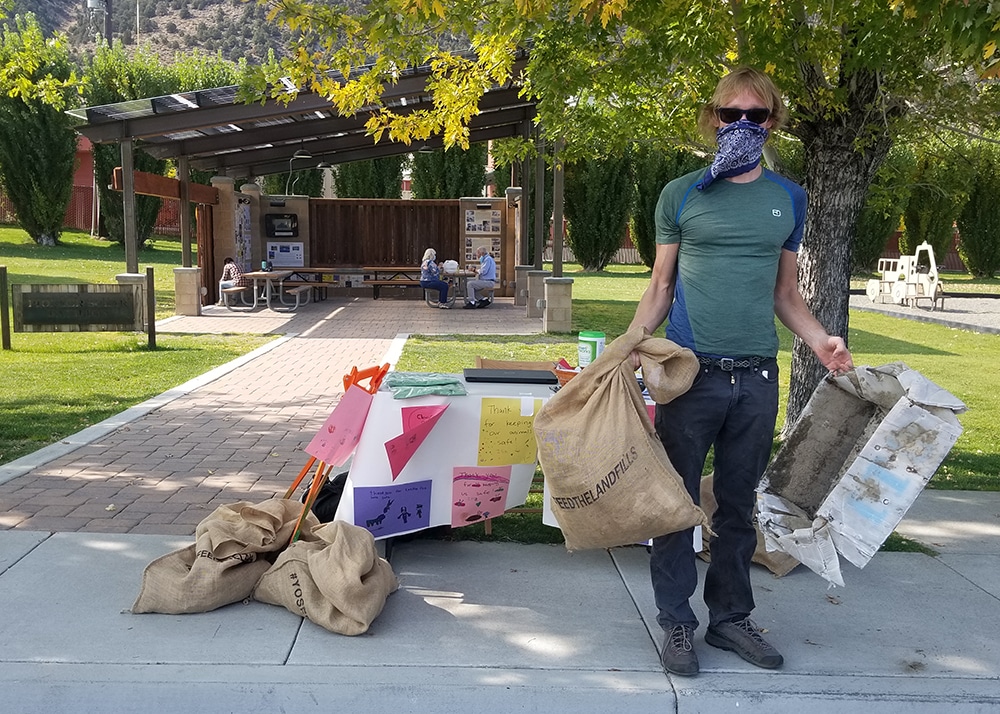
[233,28]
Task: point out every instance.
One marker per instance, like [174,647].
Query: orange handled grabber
[374,374]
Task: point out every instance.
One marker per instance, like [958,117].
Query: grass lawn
[82,259]
[56,384]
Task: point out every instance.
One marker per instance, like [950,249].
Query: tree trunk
[837,177]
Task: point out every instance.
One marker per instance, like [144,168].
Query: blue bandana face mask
[741,145]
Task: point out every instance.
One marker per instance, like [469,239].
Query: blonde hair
[742,79]
[429,254]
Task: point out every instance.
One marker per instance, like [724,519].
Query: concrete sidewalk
[506,627]
[474,625]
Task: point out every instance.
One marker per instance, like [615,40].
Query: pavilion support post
[539,201]
[557,208]
[524,215]
[128,200]
[184,174]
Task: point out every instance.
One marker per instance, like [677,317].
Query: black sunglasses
[728,115]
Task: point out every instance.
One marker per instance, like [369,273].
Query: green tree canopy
[115,75]
[375,178]
[453,173]
[887,197]
[939,188]
[979,220]
[37,141]
[599,195]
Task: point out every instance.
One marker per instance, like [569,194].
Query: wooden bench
[298,292]
[318,287]
[236,290]
[392,283]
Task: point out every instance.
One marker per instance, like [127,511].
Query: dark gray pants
[735,411]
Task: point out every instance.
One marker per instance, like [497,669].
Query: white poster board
[470,442]
[286,254]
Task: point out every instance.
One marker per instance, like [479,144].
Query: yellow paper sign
[505,433]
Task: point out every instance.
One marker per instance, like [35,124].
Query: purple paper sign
[387,510]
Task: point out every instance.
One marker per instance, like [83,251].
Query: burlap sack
[779,563]
[225,561]
[607,473]
[338,582]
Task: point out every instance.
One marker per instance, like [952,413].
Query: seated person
[232,277]
[430,277]
[486,277]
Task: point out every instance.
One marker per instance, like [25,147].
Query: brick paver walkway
[165,471]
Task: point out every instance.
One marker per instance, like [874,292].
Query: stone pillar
[558,313]
[536,292]
[521,284]
[138,283]
[187,291]
[223,223]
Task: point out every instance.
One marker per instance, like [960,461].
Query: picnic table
[395,276]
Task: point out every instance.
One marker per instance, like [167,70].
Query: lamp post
[102,7]
[299,154]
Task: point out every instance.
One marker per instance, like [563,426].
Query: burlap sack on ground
[779,563]
[225,561]
[339,582]
[608,475]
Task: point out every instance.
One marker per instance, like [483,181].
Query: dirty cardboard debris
[864,447]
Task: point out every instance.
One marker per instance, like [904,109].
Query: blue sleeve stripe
[680,207]
[678,328]
[798,198]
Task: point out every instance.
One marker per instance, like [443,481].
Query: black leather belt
[728,364]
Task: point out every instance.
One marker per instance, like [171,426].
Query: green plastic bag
[405,385]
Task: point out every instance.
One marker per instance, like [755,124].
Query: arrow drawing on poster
[338,436]
[417,424]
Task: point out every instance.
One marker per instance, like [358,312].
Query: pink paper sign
[340,433]
[417,424]
[414,417]
[478,493]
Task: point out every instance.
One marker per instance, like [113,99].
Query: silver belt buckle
[726,364]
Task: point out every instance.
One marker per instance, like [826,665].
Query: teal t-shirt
[731,236]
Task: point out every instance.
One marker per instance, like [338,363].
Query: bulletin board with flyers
[483,225]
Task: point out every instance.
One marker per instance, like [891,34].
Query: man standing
[486,277]
[726,243]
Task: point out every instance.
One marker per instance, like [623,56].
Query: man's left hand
[835,356]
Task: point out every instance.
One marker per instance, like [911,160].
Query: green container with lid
[590,345]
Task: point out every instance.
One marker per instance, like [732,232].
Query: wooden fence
[381,231]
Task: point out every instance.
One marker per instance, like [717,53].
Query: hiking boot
[677,655]
[743,638]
